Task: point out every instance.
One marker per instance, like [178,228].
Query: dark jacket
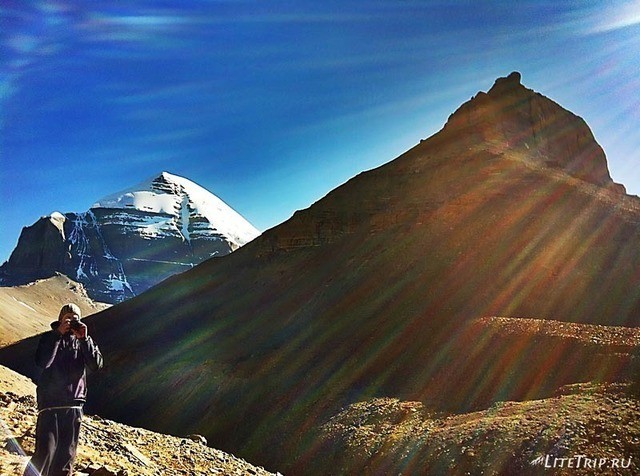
[64,360]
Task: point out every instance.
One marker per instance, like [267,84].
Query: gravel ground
[107,448]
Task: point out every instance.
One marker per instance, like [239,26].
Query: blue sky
[272,104]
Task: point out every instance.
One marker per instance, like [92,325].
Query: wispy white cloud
[26,41]
[288,18]
[22,43]
[164,93]
[98,26]
[616,17]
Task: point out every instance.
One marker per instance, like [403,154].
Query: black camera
[75,324]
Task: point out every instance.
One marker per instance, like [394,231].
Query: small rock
[104,471]
[91,468]
[198,439]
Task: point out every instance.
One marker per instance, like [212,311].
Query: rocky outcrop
[129,241]
[41,249]
[513,116]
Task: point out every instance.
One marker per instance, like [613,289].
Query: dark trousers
[57,433]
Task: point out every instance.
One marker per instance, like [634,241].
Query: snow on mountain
[192,208]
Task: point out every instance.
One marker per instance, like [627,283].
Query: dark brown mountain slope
[509,210]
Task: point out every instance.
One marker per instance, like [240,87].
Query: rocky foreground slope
[584,429]
[107,448]
[594,426]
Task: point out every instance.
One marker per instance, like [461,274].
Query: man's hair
[70,308]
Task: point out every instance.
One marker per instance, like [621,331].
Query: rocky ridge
[584,429]
[494,133]
[29,309]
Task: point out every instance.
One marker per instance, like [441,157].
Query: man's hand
[65,326]
[81,331]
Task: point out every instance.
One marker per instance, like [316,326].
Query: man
[63,354]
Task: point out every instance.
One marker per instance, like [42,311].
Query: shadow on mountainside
[466,420]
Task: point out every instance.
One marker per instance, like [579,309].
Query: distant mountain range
[409,283]
[130,240]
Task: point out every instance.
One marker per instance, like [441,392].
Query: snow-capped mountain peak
[188,203]
[130,240]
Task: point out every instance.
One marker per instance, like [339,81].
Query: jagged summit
[507,85]
[513,117]
[153,194]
